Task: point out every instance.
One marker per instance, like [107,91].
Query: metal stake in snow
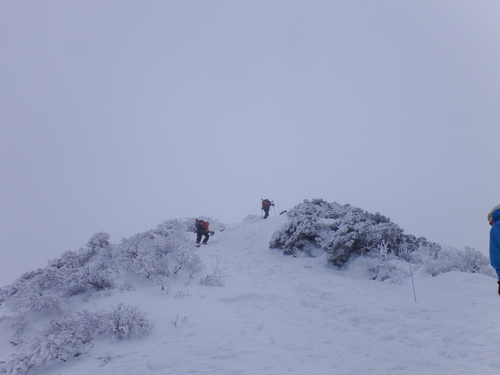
[405,248]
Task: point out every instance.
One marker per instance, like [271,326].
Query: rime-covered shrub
[392,269]
[73,273]
[192,263]
[369,243]
[176,226]
[381,265]
[252,218]
[19,324]
[307,224]
[216,277]
[160,253]
[71,336]
[155,256]
[452,259]
[125,321]
[342,231]
[98,241]
[35,291]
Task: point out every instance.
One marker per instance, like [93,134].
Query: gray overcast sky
[118,115]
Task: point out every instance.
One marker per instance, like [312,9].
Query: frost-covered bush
[73,273]
[35,291]
[144,254]
[98,241]
[452,259]
[342,231]
[380,265]
[383,266]
[155,256]
[160,253]
[359,232]
[19,324]
[192,263]
[370,242]
[125,321]
[252,218]
[176,226]
[216,278]
[71,336]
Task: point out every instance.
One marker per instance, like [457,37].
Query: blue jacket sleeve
[495,247]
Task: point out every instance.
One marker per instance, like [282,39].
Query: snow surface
[278,314]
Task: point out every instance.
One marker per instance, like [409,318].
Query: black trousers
[201,233]
[266,211]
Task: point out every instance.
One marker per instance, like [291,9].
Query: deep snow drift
[280,314]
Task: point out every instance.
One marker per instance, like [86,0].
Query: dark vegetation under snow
[349,234]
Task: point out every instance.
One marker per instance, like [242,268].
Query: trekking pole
[274,208]
[405,247]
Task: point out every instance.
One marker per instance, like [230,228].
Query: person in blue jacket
[494,220]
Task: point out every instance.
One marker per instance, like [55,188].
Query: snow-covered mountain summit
[253,310]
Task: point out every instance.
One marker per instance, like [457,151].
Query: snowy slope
[286,315]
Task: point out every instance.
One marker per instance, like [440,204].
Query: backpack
[201,224]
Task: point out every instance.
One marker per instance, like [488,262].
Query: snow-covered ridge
[275,314]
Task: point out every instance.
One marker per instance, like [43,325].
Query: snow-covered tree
[342,231]
[70,336]
[452,259]
[73,273]
[351,236]
[156,254]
